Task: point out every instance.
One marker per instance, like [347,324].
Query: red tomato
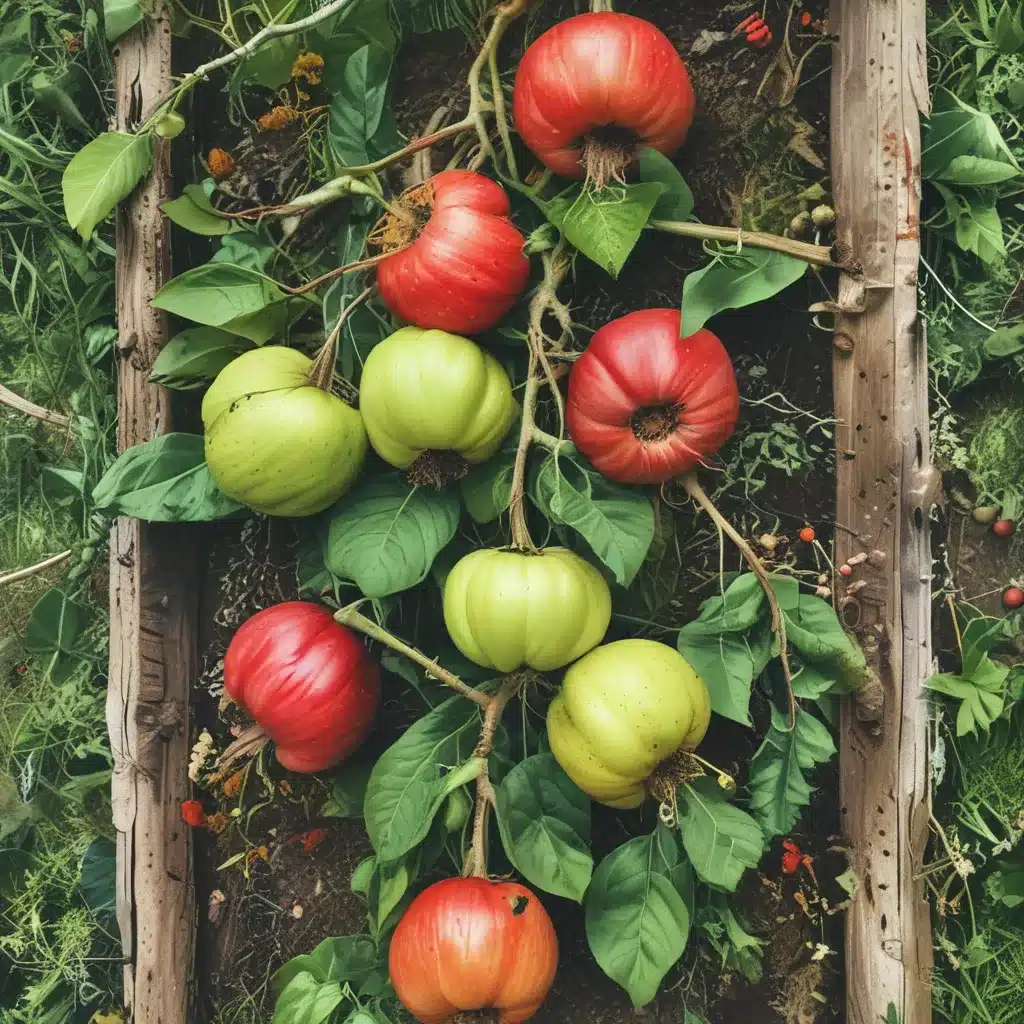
[645,405]
[807,534]
[601,78]
[307,680]
[1013,597]
[192,813]
[472,944]
[466,268]
[1004,527]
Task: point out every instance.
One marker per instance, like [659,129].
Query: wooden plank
[153,612]
[885,489]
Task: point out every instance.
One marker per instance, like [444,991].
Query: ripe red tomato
[473,944]
[601,80]
[307,680]
[466,267]
[1004,527]
[1013,597]
[646,405]
[807,534]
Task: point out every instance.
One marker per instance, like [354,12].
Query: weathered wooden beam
[885,489]
[153,612]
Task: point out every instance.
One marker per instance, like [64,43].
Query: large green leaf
[721,840]
[735,279]
[384,535]
[165,480]
[617,522]
[351,958]
[957,129]
[676,202]
[119,16]
[219,294]
[409,782]
[979,229]
[100,175]
[637,913]
[778,789]
[194,357]
[304,1000]
[544,819]
[976,170]
[358,104]
[605,225]
[194,212]
[54,624]
[97,881]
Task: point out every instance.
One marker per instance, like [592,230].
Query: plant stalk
[818,255]
[696,492]
[521,539]
[8,397]
[309,286]
[32,570]
[351,617]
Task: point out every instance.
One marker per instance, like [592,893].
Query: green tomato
[275,441]
[169,125]
[624,708]
[433,391]
[507,609]
[456,810]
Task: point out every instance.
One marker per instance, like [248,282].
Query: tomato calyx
[652,423]
[437,469]
[475,1017]
[608,150]
[405,219]
[677,770]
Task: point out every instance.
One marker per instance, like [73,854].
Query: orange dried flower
[220,163]
[276,119]
[218,822]
[233,785]
[257,853]
[284,787]
[309,66]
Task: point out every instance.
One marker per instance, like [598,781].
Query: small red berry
[192,813]
[807,534]
[845,570]
[1013,597]
[1004,527]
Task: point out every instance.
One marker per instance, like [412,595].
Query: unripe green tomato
[88,553]
[169,125]
[433,391]
[622,710]
[275,441]
[507,609]
[456,810]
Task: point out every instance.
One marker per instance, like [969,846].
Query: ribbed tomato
[473,944]
[307,680]
[465,266]
[594,88]
[646,405]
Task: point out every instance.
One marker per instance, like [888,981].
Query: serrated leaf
[194,212]
[410,780]
[385,534]
[544,820]
[192,358]
[637,919]
[778,788]
[720,839]
[736,279]
[100,175]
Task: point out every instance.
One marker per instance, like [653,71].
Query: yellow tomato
[622,710]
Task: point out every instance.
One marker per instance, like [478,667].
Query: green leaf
[1005,341]
[345,958]
[980,230]
[617,522]
[957,129]
[1006,886]
[194,357]
[733,280]
[100,175]
[55,97]
[544,820]
[606,225]
[721,840]
[976,170]
[1008,31]
[165,480]
[119,16]
[97,881]
[348,790]
[194,212]
[384,534]
[304,1000]
[487,488]
[271,65]
[737,948]
[219,295]
[637,920]
[676,202]
[409,782]
[778,789]
[54,624]
[982,696]
[358,104]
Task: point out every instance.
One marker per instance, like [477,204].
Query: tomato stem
[351,617]
[309,286]
[322,372]
[521,539]
[601,6]
[24,574]
[818,255]
[696,492]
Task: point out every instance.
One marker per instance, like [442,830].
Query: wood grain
[153,614]
[885,489]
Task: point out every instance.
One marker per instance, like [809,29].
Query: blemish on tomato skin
[519,904]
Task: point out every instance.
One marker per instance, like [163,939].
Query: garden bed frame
[886,487]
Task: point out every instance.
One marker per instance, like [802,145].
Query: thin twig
[24,574]
[521,539]
[8,397]
[322,372]
[819,255]
[309,286]
[952,298]
[351,617]
[696,492]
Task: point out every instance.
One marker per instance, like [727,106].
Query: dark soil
[776,349]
